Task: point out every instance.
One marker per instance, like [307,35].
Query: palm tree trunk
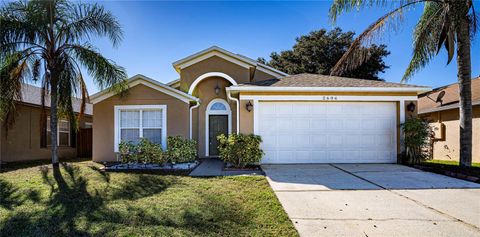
[53,121]
[465,90]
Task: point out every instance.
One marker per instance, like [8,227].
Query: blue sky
[157,33]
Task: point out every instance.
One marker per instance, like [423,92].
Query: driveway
[375,200]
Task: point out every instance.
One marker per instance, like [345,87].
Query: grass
[452,166]
[449,162]
[78,199]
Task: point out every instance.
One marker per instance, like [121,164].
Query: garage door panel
[328,132]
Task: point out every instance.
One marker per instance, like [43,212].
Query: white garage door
[328,132]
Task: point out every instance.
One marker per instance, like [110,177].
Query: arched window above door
[218,106]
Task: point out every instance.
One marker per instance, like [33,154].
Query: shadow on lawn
[10,196]
[74,210]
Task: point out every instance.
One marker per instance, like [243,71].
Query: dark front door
[217,124]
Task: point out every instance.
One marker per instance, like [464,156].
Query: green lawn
[449,162]
[79,200]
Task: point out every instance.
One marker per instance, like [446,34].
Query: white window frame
[209,112]
[117,110]
[58,132]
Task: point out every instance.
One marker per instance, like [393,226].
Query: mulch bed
[176,169]
[250,167]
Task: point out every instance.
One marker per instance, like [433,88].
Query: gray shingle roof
[33,95]
[317,80]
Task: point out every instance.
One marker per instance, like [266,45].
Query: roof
[227,55]
[427,101]
[171,83]
[317,82]
[144,80]
[33,95]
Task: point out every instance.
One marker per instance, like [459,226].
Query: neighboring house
[440,107]
[29,137]
[303,118]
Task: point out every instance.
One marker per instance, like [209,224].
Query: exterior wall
[216,64]
[448,149]
[103,122]
[246,118]
[213,64]
[22,142]
[205,90]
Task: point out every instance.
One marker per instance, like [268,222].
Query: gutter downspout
[191,123]
[229,96]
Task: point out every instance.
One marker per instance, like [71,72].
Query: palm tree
[448,23]
[46,41]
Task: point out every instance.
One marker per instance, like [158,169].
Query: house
[29,137]
[440,107]
[303,118]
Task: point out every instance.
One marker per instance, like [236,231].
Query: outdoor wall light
[411,107]
[217,89]
[249,106]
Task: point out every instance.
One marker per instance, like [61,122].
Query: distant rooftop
[33,95]
[427,102]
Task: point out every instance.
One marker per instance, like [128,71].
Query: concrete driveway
[375,200]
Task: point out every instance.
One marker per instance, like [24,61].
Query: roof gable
[226,55]
[146,81]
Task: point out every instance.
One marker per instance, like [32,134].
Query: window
[134,122]
[218,106]
[63,133]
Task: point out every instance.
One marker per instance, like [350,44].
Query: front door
[217,124]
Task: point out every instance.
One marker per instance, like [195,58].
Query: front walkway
[211,167]
[375,200]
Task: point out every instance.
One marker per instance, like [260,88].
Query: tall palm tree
[48,41]
[444,23]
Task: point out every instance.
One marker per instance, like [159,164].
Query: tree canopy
[318,52]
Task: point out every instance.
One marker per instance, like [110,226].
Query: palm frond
[340,6]
[426,36]
[86,20]
[105,72]
[358,53]
[21,23]
[11,73]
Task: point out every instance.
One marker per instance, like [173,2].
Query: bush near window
[181,150]
[144,152]
[149,152]
[240,149]
[127,152]
[417,134]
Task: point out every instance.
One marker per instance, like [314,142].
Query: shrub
[181,150]
[417,133]
[127,151]
[240,149]
[148,152]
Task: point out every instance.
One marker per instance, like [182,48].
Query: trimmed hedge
[240,149]
[181,150]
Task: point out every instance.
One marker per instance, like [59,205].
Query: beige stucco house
[303,118]
[440,107]
[28,137]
